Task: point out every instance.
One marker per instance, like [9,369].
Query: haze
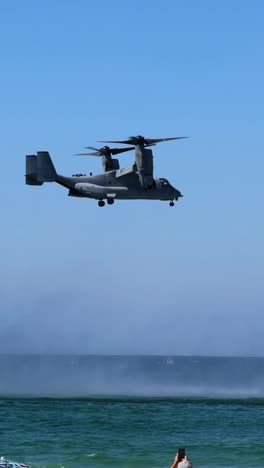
[137,277]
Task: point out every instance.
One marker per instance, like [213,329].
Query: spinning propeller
[143,157]
[105,151]
[140,140]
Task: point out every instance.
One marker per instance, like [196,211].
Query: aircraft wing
[126,170]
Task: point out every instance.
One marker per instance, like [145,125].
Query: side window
[164,183]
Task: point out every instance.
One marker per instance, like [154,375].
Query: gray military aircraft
[130,183]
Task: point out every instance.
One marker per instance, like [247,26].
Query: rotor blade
[92,148]
[150,141]
[89,154]
[124,142]
[121,150]
[106,149]
[134,140]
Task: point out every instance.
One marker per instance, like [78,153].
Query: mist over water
[131,376]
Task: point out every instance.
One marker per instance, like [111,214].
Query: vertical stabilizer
[32,170]
[46,169]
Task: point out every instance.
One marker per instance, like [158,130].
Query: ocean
[131,411]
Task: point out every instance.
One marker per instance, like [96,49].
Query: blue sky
[138,277]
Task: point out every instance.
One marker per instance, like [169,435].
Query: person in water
[181,460]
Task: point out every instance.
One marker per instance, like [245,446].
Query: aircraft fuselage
[125,187]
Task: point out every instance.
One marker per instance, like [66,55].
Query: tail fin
[46,169]
[39,168]
[32,170]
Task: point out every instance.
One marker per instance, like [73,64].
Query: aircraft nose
[177,194]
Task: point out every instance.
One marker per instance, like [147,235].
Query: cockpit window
[164,183]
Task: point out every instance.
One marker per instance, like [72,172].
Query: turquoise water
[58,411]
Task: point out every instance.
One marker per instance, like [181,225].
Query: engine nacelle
[144,162]
[110,164]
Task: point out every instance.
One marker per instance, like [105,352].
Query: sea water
[124,411]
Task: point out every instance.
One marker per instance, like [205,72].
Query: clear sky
[137,277]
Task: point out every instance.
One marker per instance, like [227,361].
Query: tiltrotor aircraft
[130,183]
